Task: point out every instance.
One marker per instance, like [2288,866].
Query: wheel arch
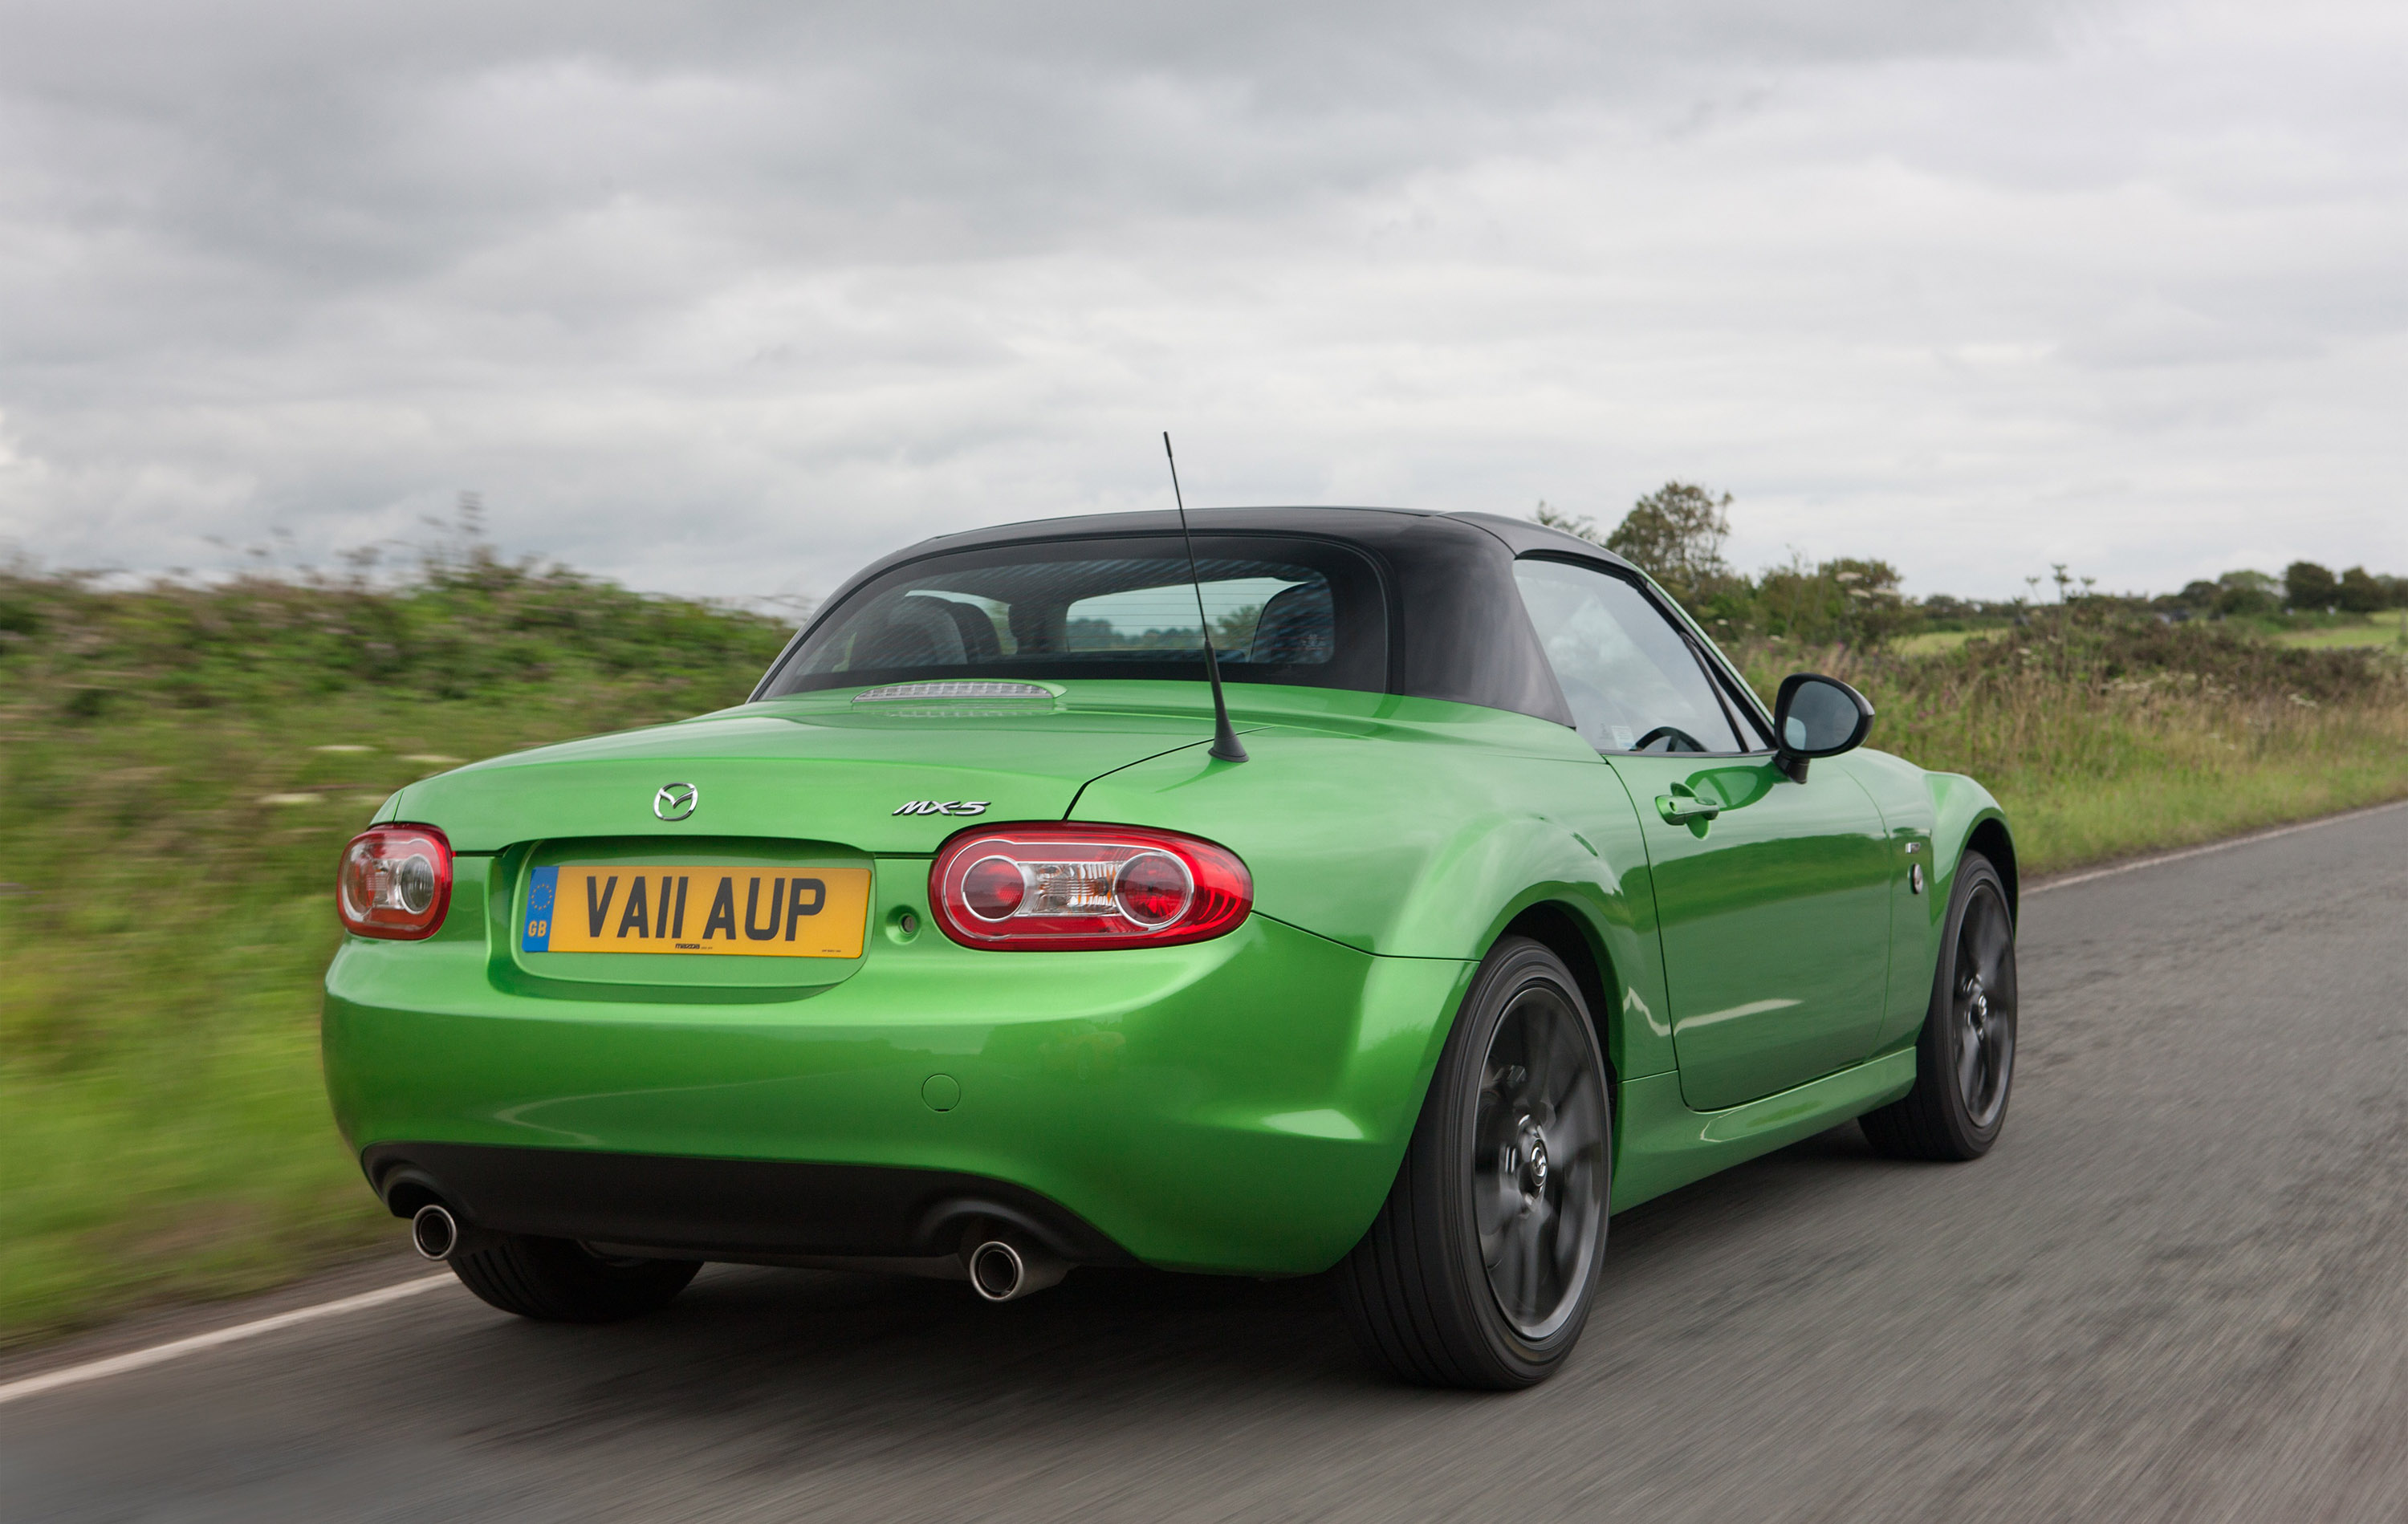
[1562,931]
[1991,838]
[1565,929]
[1966,819]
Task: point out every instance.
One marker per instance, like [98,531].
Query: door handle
[1682,804]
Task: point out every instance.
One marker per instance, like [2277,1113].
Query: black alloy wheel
[1965,1058]
[1482,1266]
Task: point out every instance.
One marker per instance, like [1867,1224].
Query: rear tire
[1965,1058]
[1480,1268]
[555,1280]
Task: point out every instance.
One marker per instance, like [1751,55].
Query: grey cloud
[724,297]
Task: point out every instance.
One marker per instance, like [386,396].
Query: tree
[1675,536]
[2246,593]
[2358,592]
[1578,524]
[1849,602]
[2307,585]
[1234,631]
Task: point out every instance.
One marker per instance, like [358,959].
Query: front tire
[555,1280]
[1482,1263]
[1965,1058]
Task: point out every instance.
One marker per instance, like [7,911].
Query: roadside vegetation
[2106,724]
[2106,736]
[180,764]
[178,767]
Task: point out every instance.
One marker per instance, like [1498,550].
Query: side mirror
[1815,715]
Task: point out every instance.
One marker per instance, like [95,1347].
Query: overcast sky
[727,298]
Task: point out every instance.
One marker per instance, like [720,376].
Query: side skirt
[1666,1146]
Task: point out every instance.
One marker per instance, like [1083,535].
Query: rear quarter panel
[1421,829]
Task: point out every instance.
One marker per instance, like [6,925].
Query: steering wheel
[1682,740]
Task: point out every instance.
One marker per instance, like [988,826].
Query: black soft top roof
[1456,626]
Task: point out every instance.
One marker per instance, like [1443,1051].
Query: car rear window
[1283,610]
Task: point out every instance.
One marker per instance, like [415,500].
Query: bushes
[468,628]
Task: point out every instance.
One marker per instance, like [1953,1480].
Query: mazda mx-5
[974,945]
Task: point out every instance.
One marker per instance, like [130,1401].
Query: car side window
[1629,675]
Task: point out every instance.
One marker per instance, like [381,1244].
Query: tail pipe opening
[1008,1267]
[437,1234]
[434,1231]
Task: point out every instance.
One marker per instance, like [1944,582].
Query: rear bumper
[730,1209]
[1239,1104]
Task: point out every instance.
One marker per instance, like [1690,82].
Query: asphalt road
[2178,1290]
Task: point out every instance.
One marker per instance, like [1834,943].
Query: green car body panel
[1238,1104]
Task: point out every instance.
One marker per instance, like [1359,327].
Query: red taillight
[396,882]
[1033,887]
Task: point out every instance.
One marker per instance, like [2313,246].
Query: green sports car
[964,949]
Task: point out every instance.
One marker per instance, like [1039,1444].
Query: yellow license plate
[757,912]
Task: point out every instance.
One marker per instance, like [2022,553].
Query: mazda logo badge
[676,801]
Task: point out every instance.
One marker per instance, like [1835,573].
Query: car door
[1772,896]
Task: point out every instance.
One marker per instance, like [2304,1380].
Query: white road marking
[34,1385]
[2138,862]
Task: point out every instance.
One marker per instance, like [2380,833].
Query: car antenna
[1225,740]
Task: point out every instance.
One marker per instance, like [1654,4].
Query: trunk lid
[816,768]
[806,792]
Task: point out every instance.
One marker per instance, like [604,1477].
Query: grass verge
[177,770]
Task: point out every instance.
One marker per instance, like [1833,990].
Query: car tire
[554,1280]
[1480,1268]
[1964,1060]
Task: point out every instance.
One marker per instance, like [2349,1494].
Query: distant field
[2385,631]
[1934,642]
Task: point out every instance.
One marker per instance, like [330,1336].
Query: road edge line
[158,1354]
[2160,859]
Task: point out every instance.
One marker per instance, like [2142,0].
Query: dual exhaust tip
[1000,1269]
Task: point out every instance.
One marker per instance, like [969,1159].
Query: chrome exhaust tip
[998,1272]
[434,1233]
[1002,1270]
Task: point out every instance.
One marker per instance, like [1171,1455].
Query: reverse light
[394,882]
[1052,887]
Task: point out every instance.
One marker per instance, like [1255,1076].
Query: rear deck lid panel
[875,783]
